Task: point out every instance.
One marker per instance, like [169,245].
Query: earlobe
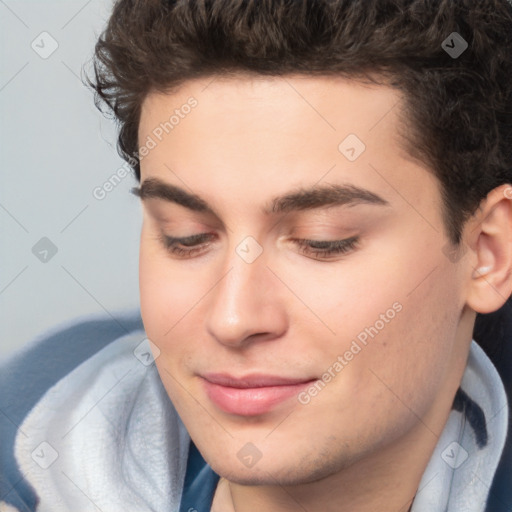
[491,233]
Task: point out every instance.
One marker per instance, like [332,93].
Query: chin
[277,472]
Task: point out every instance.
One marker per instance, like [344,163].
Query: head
[261,131]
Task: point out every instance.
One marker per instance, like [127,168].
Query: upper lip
[252,381]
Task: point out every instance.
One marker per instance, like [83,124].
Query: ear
[488,235]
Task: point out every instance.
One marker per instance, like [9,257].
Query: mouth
[251,395]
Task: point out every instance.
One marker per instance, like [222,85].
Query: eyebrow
[317,196]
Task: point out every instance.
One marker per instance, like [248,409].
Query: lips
[253,394]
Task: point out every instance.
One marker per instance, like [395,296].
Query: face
[292,274]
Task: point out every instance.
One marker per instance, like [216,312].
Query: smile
[252,395]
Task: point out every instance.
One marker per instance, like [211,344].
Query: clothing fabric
[105,435]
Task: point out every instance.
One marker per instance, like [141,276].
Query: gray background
[55,148]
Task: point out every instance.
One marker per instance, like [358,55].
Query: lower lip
[251,401]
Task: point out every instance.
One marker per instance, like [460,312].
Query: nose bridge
[242,302]
[245,268]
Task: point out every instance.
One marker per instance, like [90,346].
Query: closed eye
[190,246]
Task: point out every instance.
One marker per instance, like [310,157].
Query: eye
[186,246]
[190,246]
[324,248]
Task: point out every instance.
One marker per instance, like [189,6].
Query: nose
[246,304]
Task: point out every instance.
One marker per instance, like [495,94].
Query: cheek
[410,359]
[392,379]
[396,320]
[152,293]
[165,295]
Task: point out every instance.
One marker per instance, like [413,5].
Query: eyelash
[323,248]
[170,244]
[327,248]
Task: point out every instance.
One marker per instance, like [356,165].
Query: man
[326,201]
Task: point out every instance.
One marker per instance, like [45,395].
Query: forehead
[323,105]
[257,133]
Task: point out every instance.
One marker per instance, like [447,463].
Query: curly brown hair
[458,111]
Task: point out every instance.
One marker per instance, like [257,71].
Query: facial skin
[363,442]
